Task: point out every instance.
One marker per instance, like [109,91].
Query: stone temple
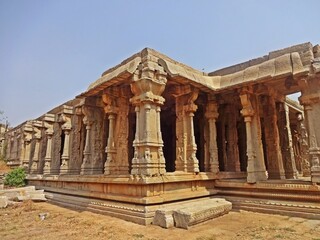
[152,133]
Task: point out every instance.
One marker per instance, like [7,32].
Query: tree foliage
[16,178]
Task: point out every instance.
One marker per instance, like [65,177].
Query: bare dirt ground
[23,222]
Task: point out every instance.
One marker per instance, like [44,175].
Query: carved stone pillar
[117,109]
[256,170]
[65,118]
[186,146]
[310,99]
[147,89]
[272,138]
[27,129]
[212,115]
[37,125]
[87,121]
[286,141]
[304,145]
[48,124]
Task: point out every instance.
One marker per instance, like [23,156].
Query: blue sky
[51,50]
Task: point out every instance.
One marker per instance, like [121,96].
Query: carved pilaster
[212,115]
[88,120]
[48,124]
[37,125]
[147,87]
[310,99]
[186,146]
[272,137]
[27,133]
[256,170]
[65,119]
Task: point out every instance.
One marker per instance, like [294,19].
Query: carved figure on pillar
[147,86]
[303,140]
[256,170]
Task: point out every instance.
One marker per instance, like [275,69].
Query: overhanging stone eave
[262,80]
[114,75]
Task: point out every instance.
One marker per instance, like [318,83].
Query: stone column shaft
[212,115]
[256,170]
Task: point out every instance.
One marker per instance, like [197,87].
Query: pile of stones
[14,195]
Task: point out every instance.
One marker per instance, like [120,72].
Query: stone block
[163,218]
[3,201]
[200,212]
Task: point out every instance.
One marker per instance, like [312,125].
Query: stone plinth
[200,212]
[163,218]
[187,214]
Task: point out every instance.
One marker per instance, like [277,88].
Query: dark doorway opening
[168,130]
[131,135]
[199,125]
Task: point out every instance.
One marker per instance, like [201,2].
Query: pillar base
[315,175]
[253,177]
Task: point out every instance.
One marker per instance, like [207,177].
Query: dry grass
[23,222]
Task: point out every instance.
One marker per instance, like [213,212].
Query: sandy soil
[23,222]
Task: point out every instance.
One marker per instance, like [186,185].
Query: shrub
[16,178]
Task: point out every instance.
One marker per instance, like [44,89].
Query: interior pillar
[212,115]
[256,170]
[272,138]
[286,141]
[186,160]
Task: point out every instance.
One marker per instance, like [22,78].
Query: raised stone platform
[187,214]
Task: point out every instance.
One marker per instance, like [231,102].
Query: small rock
[43,216]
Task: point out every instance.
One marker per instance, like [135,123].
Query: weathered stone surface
[24,193]
[163,218]
[3,201]
[197,213]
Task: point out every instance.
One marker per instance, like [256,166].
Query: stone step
[187,214]
[32,196]
[309,210]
